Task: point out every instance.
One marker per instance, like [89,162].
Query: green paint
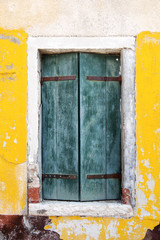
[60,126]
[94,126]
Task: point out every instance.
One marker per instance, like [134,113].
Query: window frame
[125,46]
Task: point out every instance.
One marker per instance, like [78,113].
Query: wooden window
[81,135]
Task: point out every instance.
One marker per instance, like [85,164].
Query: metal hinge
[58,78]
[60,176]
[96,78]
[104,176]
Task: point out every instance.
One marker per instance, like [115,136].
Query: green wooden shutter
[100,150]
[60,127]
[94,125]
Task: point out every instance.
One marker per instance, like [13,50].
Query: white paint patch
[112,230]
[141,198]
[157,130]
[7,136]
[15,141]
[144,213]
[146,163]
[142,150]
[140,178]
[150,182]
[2,186]
[155,106]
[12,128]
[154,147]
[155,208]
[130,230]
[4,144]
[79,227]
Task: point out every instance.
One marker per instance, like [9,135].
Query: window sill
[85,209]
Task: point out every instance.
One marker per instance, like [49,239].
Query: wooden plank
[92,127]
[60,127]
[99,127]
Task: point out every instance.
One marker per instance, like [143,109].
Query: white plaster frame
[126,47]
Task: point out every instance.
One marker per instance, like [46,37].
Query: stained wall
[52,18]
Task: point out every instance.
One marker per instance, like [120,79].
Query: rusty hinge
[60,176]
[96,78]
[58,78]
[102,176]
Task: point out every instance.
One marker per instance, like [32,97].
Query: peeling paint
[157,130]
[13,107]
[147,103]
[150,182]
[112,230]
[9,66]
[10,38]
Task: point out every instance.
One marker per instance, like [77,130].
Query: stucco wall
[13,113]
[80,18]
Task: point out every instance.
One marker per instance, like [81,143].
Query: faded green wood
[92,126]
[99,127]
[60,126]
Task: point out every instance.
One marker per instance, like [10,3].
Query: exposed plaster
[11,38]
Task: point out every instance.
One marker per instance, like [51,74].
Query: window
[125,46]
[81,146]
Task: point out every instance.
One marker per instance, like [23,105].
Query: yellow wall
[13,112]
[148,125]
[13,135]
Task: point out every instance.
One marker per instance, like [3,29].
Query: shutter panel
[99,127]
[60,127]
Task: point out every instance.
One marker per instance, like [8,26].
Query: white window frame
[48,45]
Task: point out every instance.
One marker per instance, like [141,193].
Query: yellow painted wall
[148,125]
[13,112]
[13,135]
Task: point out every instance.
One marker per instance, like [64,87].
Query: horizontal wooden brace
[104,176]
[60,176]
[58,78]
[97,78]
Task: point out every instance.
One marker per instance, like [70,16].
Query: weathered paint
[13,135]
[148,124]
[100,228]
[13,111]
